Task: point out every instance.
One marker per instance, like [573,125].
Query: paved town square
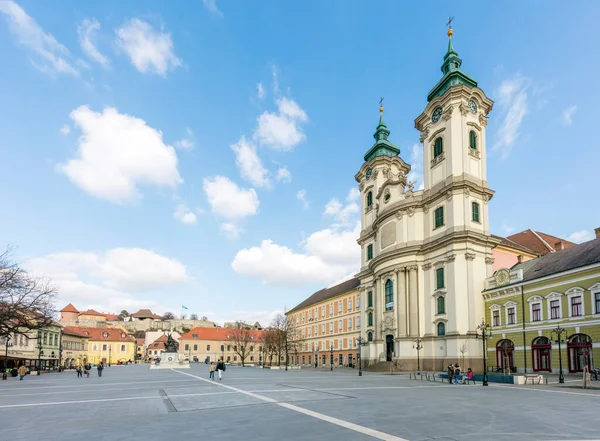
[134,402]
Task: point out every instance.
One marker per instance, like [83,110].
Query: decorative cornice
[410,211]
[361,186]
[472,124]
[424,135]
[448,113]
[483,120]
[467,192]
[435,134]
[489,260]
[464,110]
[451,258]
[449,195]
[426,266]
[474,153]
[412,267]
[470,256]
[436,160]
[425,208]
[400,214]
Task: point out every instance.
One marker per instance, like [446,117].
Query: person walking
[450,373]
[79,371]
[22,372]
[211,369]
[220,368]
[100,368]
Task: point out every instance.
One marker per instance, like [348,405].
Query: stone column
[376,308]
[413,301]
[401,302]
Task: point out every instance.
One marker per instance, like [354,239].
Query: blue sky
[158,154]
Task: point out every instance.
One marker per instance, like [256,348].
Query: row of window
[554,308]
[229,347]
[308,316]
[106,348]
[314,330]
[74,345]
[438,144]
[326,345]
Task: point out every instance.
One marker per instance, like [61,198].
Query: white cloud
[581,236]
[113,280]
[260,91]
[229,201]
[507,229]
[149,50]
[283,175]
[416,166]
[249,164]
[514,105]
[340,212]
[327,255]
[117,153]
[301,196]
[186,143]
[353,194]
[278,265]
[85,30]
[65,130]
[275,77]
[211,5]
[184,215]
[231,230]
[51,56]
[281,130]
[567,115]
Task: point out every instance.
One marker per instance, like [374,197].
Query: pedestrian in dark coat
[450,372]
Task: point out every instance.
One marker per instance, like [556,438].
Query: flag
[184,307]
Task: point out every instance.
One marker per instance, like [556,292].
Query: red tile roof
[327,293]
[69,308]
[101,334]
[159,343]
[70,330]
[112,317]
[539,242]
[203,333]
[92,312]
[145,313]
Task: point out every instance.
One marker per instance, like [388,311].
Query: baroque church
[427,253]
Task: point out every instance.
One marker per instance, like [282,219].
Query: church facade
[427,253]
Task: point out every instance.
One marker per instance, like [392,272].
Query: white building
[426,253]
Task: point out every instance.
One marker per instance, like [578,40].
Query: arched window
[438,147]
[541,348]
[370,299]
[472,140]
[579,347]
[441,305]
[370,319]
[389,295]
[441,329]
[370,336]
[504,355]
[369,199]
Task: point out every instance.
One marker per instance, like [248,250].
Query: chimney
[520,258]
[597,231]
[559,245]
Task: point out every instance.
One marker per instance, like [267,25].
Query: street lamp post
[417,344]
[331,356]
[109,353]
[558,332]
[360,342]
[8,344]
[40,352]
[317,357]
[486,332]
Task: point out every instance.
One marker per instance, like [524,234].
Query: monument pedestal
[170,360]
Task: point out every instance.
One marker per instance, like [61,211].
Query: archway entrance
[504,355]
[580,352]
[541,349]
[389,347]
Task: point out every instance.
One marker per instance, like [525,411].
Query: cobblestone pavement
[134,402]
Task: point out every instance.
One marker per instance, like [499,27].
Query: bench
[535,378]
[461,378]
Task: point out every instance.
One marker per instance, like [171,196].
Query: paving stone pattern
[134,402]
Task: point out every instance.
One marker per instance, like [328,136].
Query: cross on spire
[449,24]
[381,105]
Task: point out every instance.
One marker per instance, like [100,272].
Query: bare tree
[243,342]
[26,302]
[194,317]
[464,348]
[288,338]
[204,318]
[269,340]
[168,316]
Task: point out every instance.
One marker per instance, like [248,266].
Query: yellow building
[74,348]
[327,324]
[211,344]
[107,345]
[526,303]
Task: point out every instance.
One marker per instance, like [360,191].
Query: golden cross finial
[381,105]
[449,24]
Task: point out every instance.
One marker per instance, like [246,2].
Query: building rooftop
[540,243]
[327,293]
[146,313]
[506,242]
[101,334]
[92,312]
[203,333]
[69,308]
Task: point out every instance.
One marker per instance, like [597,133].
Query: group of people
[454,374]
[220,368]
[87,368]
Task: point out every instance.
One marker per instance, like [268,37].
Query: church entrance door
[389,347]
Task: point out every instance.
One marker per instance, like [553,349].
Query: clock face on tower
[437,113]
[473,106]
[369,172]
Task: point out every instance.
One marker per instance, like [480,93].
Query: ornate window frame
[576,291]
[493,308]
[533,300]
[507,306]
[594,289]
[435,160]
[554,296]
[439,321]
